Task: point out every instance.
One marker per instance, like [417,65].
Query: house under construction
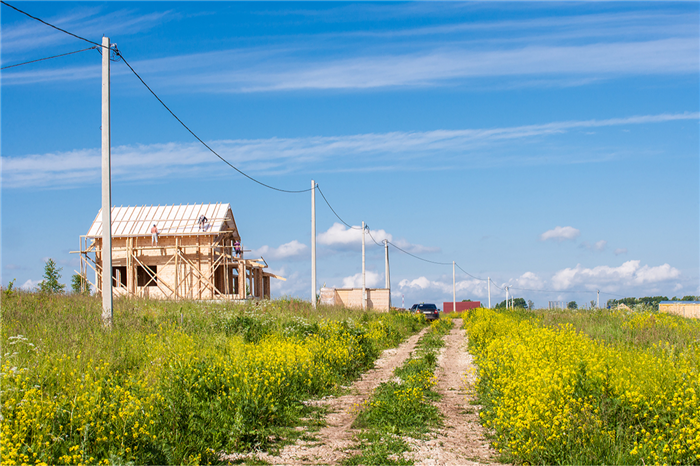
[194,257]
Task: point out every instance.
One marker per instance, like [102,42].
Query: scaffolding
[191,259]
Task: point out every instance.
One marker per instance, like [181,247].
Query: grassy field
[589,387]
[171,382]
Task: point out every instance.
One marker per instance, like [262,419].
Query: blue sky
[550,146]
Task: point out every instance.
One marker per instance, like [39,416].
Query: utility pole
[489,282]
[598,300]
[313,244]
[506,297]
[454,290]
[386,269]
[107,311]
[364,289]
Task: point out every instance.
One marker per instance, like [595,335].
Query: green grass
[172,382]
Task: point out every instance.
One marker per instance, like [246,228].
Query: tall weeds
[171,382]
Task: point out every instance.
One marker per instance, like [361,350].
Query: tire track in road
[334,442]
[462,440]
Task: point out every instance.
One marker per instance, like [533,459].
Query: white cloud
[628,275]
[529,280]
[619,251]
[598,246]
[289,250]
[343,237]
[560,234]
[277,156]
[30,284]
[416,65]
[372,280]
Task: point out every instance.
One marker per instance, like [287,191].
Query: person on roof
[154,235]
[202,221]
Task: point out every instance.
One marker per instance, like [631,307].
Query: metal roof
[170,220]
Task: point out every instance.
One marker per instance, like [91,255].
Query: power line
[476,278]
[47,58]
[119,54]
[51,25]
[333,210]
[419,258]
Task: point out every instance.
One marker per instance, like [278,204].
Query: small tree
[530,304]
[572,305]
[51,275]
[79,284]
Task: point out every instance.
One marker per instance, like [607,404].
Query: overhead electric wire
[51,25]
[47,58]
[119,54]
[333,210]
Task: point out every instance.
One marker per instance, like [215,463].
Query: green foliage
[9,291]
[517,303]
[649,302]
[572,305]
[601,387]
[79,284]
[52,273]
[172,382]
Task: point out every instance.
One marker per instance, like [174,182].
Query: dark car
[430,311]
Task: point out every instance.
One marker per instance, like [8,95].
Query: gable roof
[170,220]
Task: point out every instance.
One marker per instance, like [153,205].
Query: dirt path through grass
[334,442]
[462,440]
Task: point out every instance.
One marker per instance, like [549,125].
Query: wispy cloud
[275,156]
[88,22]
[297,68]
[598,246]
[560,234]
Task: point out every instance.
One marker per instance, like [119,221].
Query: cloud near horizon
[341,237]
[628,275]
[291,250]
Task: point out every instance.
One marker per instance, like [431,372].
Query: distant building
[194,257]
[377,298]
[690,309]
[460,305]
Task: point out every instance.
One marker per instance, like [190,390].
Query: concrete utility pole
[489,282]
[107,312]
[598,299]
[313,244]
[386,269]
[364,289]
[454,290]
[506,297]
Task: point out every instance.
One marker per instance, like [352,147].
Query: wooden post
[241,279]
[177,267]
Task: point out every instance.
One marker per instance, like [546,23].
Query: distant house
[460,305]
[192,260]
[377,298]
[690,309]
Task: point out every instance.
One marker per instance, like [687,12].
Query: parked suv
[430,311]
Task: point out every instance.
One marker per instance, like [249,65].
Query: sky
[552,147]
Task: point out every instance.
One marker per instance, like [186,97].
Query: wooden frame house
[191,260]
